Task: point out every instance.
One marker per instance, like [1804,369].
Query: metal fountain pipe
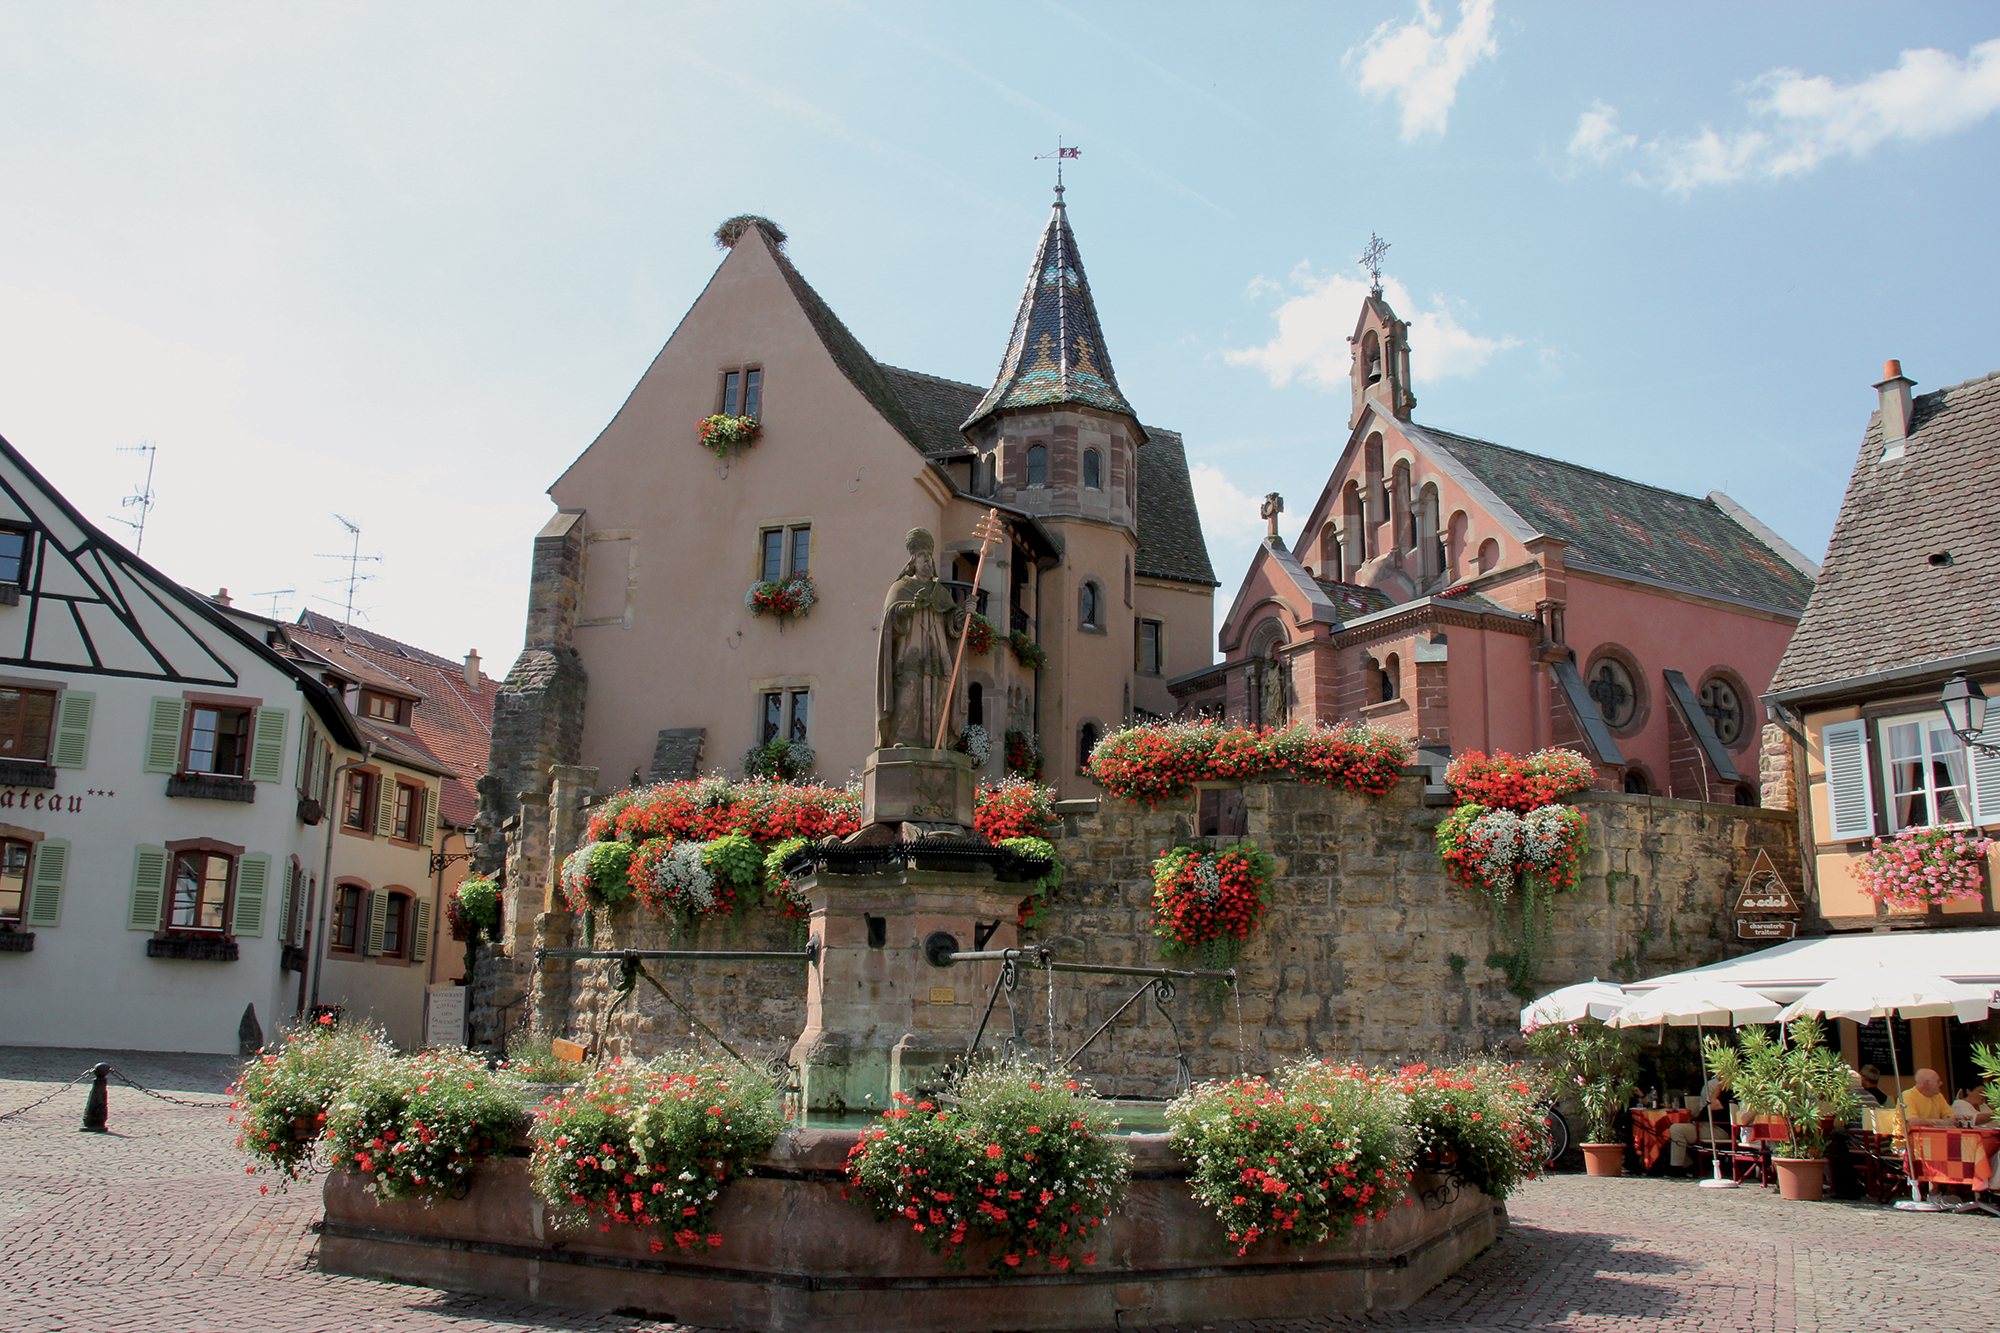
[1040,955]
[809,954]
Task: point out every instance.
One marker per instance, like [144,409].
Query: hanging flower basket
[1519,783]
[1026,651]
[724,435]
[978,635]
[1921,868]
[783,599]
[1163,760]
[1210,901]
[594,876]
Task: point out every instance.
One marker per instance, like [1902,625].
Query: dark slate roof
[1056,353]
[1351,599]
[1881,604]
[1170,542]
[1631,527]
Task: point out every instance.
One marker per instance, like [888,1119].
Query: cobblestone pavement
[156,1227]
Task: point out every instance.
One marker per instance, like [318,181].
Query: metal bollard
[97,1106]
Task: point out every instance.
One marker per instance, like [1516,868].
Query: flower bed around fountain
[798,1253]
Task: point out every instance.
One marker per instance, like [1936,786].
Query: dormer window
[385,708]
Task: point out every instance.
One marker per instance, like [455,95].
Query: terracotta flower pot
[1603,1159]
[1801,1178]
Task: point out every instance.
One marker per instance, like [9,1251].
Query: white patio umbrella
[1586,999]
[1891,992]
[1698,1002]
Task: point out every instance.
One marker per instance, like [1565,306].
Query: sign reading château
[29,798]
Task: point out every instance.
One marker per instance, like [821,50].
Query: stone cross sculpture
[1274,505]
[913,656]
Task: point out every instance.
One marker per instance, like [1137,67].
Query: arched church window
[1093,470]
[1390,685]
[1089,611]
[1489,556]
[1038,465]
[1329,553]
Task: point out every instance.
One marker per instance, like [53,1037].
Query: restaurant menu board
[444,1016]
[1875,1047]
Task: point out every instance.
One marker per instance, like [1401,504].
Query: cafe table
[1649,1133]
[1945,1155]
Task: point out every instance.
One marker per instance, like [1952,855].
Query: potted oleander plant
[1799,1080]
[1595,1064]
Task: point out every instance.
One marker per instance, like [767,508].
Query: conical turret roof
[1057,353]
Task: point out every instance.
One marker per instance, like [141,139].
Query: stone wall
[1368,952]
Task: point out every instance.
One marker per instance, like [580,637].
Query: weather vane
[1059,154]
[1371,259]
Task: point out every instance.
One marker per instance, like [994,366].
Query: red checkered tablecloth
[1649,1133]
[1948,1156]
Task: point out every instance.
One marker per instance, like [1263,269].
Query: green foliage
[1303,1156]
[531,1057]
[786,895]
[1595,1064]
[594,875]
[1035,901]
[417,1125]
[1479,1121]
[736,861]
[1986,1059]
[652,1144]
[1017,1153]
[1800,1080]
[1458,962]
[478,901]
[282,1096]
[779,760]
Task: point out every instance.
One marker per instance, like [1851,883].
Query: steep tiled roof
[1881,603]
[453,725]
[934,406]
[1630,527]
[1056,353]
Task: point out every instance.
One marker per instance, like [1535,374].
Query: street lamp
[1965,711]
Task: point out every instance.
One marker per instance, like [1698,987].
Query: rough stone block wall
[1368,952]
[1777,789]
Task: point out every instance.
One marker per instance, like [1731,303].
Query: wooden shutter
[385,804]
[72,743]
[1850,782]
[431,815]
[149,888]
[1985,765]
[267,749]
[378,921]
[420,933]
[163,735]
[46,885]
[253,881]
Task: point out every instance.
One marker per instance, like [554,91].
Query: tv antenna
[354,559]
[274,594]
[142,499]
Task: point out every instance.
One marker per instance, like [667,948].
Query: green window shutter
[72,729]
[45,888]
[431,814]
[288,900]
[378,921]
[385,805]
[1850,797]
[1985,785]
[420,942]
[163,735]
[253,879]
[267,749]
[149,888]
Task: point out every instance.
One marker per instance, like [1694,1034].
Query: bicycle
[1558,1132]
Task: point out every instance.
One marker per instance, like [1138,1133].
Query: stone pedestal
[905,786]
[880,1017]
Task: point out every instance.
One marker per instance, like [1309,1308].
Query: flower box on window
[193,948]
[782,599]
[26,773]
[724,435]
[17,941]
[212,787]
[1026,651]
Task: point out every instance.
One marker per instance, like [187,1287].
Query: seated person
[1715,1101]
[1971,1108]
[1924,1102]
[1870,1091]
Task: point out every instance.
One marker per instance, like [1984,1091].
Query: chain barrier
[43,1101]
[123,1078]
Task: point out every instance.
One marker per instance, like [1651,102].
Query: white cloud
[1228,513]
[1315,321]
[1798,122]
[1421,64]
[1597,139]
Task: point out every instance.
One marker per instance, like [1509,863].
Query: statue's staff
[988,531]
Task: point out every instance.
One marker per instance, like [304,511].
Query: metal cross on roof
[1371,259]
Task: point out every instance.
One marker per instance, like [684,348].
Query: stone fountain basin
[797,1255]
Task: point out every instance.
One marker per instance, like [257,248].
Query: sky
[401,262]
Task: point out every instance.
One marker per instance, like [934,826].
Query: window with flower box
[27,719]
[784,552]
[201,887]
[216,747]
[741,393]
[1887,774]
[197,888]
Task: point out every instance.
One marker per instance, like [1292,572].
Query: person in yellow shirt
[1925,1102]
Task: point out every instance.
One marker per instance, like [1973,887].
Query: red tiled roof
[452,723]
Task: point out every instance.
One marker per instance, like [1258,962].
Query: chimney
[221,597]
[1895,389]
[472,670]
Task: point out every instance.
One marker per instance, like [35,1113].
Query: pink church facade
[1475,597]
